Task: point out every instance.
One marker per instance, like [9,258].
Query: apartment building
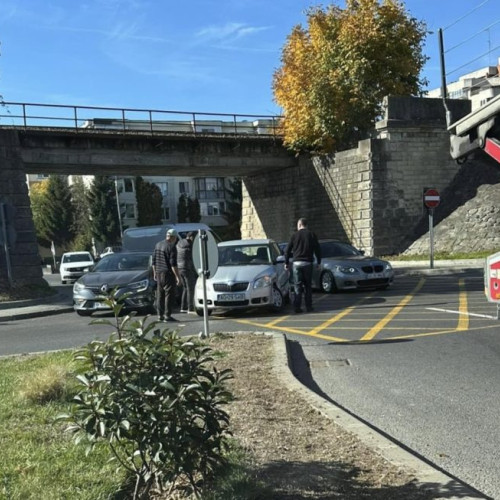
[479,86]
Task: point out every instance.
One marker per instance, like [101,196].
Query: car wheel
[83,313]
[199,311]
[278,301]
[328,282]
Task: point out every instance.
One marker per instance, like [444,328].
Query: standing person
[166,274]
[187,272]
[303,246]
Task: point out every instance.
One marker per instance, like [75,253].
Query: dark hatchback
[127,273]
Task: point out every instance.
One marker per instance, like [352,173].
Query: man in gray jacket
[187,272]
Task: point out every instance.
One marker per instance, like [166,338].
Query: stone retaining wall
[370,195]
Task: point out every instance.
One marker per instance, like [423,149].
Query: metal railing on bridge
[133,121]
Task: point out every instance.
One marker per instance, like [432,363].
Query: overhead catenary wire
[472,36]
[466,15]
[472,60]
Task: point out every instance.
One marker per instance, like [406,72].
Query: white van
[74,264]
[144,239]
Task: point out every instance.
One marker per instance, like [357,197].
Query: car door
[279,264]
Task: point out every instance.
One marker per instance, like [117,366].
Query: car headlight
[263,282]
[347,269]
[77,287]
[388,267]
[139,286]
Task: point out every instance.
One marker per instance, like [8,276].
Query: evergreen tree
[233,210]
[193,209]
[149,202]
[38,192]
[56,212]
[81,223]
[182,208]
[105,226]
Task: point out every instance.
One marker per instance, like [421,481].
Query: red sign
[431,198]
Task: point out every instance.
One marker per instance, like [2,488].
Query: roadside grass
[39,459]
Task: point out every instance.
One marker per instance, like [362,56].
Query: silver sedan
[344,267]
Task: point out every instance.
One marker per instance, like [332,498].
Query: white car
[251,273]
[75,264]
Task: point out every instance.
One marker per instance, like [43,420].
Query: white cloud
[228,32]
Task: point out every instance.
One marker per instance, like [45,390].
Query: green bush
[157,399]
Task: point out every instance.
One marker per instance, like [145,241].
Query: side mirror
[280,259]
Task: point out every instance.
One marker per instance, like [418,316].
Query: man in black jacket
[187,272]
[166,274]
[303,247]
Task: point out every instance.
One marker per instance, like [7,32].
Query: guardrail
[130,120]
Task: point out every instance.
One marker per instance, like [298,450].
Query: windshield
[337,249]
[123,262]
[77,257]
[244,255]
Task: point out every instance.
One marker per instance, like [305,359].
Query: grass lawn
[38,459]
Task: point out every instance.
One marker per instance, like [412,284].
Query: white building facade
[478,86]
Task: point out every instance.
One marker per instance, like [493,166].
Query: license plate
[230,297]
[375,275]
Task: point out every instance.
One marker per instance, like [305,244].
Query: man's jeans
[302,280]
[188,280]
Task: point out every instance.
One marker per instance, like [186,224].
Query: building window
[212,208]
[128,185]
[129,211]
[184,187]
[163,186]
[165,213]
[210,188]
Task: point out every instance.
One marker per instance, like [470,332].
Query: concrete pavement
[439,484]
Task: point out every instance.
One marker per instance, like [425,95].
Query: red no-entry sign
[431,198]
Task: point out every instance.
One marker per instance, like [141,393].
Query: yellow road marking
[370,334]
[291,330]
[277,320]
[463,318]
[337,317]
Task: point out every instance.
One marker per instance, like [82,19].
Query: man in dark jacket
[166,274]
[187,272]
[303,246]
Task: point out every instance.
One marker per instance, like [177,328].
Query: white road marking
[459,312]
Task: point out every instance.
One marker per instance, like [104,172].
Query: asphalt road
[418,361]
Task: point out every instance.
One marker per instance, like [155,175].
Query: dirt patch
[296,451]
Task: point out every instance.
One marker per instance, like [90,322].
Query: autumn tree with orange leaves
[335,73]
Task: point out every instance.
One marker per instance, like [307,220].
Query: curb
[427,476]
[35,314]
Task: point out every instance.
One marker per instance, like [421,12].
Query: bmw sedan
[251,273]
[125,272]
[344,267]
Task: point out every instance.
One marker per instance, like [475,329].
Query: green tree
[149,202]
[193,209]
[105,226]
[38,192]
[81,223]
[56,212]
[182,208]
[335,73]
[233,210]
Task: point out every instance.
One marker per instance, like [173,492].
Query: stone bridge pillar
[24,258]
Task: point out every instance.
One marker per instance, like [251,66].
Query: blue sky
[191,55]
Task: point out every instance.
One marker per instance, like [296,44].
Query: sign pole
[204,272]
[431,236]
